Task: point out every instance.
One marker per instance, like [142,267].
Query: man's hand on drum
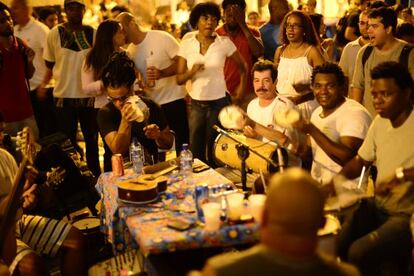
[250,132]
[302,125]
[384,188]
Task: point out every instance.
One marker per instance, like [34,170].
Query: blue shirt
[270,38]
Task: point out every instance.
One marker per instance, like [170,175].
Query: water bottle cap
[185,146]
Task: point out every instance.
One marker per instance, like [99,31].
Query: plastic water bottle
[136,156]
[186,163]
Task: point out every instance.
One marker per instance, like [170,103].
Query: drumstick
[263,180]
[361,177]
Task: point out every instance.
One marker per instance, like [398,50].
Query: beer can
[117,165]
[200,197]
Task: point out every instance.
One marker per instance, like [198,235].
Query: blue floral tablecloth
[145,226]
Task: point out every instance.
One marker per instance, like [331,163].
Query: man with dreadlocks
[118,121]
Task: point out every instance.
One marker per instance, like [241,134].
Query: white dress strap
[307,51]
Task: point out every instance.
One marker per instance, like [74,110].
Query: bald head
[294,204]
[20,10]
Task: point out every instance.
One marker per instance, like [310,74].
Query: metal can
[117,165]
[200,197]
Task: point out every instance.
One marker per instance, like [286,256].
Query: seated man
[337,127]
[288,234]
[379,230]
[260,122]
[261,109]
[36,235]
[116,120]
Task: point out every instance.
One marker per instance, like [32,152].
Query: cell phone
[179,224]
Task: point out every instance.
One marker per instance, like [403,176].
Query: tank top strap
[307,51]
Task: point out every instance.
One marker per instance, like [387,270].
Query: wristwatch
[399,173]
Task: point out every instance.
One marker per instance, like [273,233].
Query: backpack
[403,59]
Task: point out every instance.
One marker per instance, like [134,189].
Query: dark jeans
[45,113]
[204,114]
[372,239]
[68,117]
[176,115]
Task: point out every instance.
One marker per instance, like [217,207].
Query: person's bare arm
[255,44]
[118,141]
[357,94]
[241,64]
[155,73]
[315,57]
[183,74]
[163,138]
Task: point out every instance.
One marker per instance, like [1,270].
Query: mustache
[262,90]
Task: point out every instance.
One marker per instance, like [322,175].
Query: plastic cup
[211,211]
[256,204]
[235,206]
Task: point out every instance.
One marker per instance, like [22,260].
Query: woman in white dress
[295,61]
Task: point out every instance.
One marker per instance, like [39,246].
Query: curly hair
[309,33]
[329,68]
[396,71]
[119,71]
[202,9]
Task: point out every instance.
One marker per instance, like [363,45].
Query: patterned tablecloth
[129,225]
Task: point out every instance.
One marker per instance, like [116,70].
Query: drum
[327,235]
[89,226]
[225,153]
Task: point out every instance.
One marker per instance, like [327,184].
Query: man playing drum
[260,124]
[337,127]
[378,233]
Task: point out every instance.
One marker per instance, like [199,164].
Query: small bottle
[186,162]
[135,156]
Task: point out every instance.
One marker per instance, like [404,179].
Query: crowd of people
[353,93]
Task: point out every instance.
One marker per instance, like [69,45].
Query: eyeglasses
[293,26]
[119,99]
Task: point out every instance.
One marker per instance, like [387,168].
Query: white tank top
[292,71]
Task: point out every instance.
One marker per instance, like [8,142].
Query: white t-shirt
[265,115]
[158,48]
[348,58]
[208,84]
[350,119]
[391,148]
[34,33]
[68,61]
[8,170]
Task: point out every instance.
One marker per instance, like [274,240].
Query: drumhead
[332,226]
[89,223]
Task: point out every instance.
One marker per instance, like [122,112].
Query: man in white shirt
[262,109]
[155,56]
[378,232]
[66,48]
[337,127]
[34,33]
